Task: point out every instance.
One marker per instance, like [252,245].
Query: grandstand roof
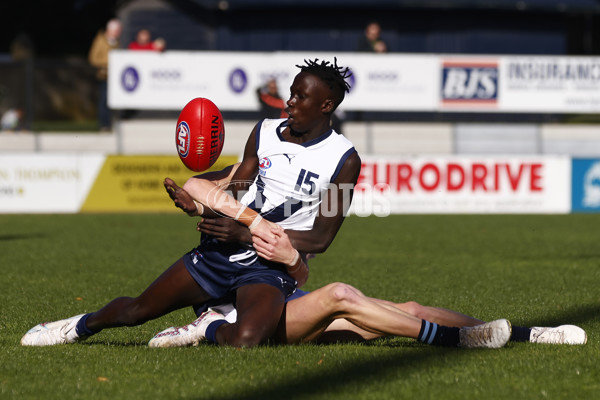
[524,5]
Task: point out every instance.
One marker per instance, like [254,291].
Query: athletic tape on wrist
[255,222]
[296,264]
[199,207]
[240,211]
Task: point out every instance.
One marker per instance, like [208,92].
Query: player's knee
[414,308]
[342,293]
[248,336]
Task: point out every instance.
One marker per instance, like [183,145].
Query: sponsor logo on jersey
[183,139]
[469,83]
[264,163]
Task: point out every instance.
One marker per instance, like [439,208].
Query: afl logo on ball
[183,139]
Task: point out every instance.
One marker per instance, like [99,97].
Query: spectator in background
[380,47]
[143,41]
[271,103]
[159,44]
[371,41]
[11,120]
[105,41]
[22,48]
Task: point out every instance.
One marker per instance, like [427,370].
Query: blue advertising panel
[586,185]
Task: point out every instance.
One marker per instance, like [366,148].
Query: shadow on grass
[574,315]
[401,363]
[9,237]
[335,381]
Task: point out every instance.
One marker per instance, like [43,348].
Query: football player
[287,167]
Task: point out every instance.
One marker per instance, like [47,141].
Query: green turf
[534,270]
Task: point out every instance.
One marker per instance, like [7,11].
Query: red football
[200,134]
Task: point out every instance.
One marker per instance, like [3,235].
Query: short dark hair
[330,73]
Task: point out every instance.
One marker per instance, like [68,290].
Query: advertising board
[379,82]
[586,185]
[473,184]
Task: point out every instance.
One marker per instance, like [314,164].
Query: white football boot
[51,333]
[564,334]
[188,335]
[491,335]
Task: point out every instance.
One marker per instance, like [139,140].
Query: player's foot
[491,335]
[51,333]
[188,335]
[564,334]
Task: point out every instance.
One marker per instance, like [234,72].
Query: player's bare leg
[342,329]
[174,289]
[259,309]
[438,315]
[308,317]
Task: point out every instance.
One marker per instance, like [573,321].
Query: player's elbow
[321,246]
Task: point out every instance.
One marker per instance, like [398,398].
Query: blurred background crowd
[53,54]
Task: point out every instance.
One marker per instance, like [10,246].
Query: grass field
[534,270]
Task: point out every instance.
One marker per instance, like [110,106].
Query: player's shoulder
[353,160]
[271,124]
[348,168]
[342,139]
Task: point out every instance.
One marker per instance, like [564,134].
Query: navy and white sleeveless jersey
[287,191]
[292,177]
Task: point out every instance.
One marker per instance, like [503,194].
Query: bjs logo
[470,83]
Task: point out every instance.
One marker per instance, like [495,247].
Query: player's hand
[274,246]
[225,230]
[180,197]
[264,228]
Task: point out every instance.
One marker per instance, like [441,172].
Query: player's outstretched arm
[181,198]
[211,194]
[184,201]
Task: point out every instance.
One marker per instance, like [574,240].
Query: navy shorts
[210,266]
[199,309]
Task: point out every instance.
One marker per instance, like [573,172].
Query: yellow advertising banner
[135,183]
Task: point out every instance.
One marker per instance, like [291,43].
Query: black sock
[82,329]
[520,334]
[438,335]
[211,330]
